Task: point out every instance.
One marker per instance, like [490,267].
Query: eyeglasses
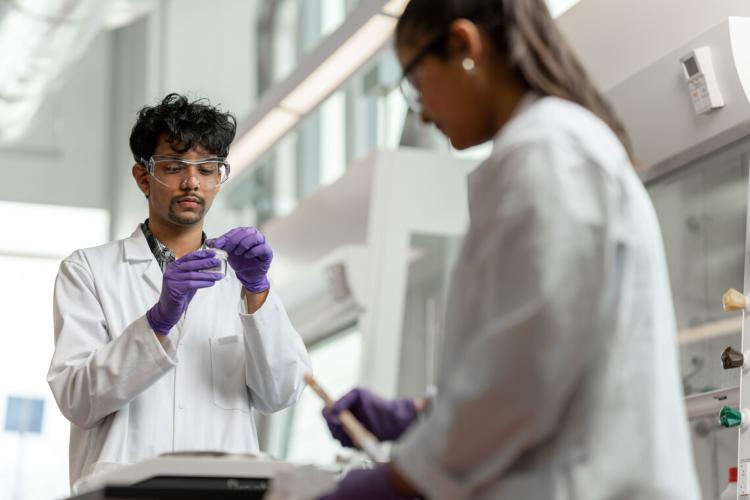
[172,171]
[412,95]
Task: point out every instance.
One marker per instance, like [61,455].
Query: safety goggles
[411,94]
[172,171]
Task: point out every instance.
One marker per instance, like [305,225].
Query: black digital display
[691,66]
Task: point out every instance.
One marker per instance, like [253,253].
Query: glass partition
[296,27]
[366,113]
[430,262]
[299,434]
[702,212]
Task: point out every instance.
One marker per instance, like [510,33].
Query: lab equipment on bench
[190,475]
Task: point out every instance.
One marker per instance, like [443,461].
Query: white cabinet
[381,239]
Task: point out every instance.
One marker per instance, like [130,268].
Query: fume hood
[694,148]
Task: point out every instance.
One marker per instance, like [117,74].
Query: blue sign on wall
[24,415]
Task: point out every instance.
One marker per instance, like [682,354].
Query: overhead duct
[38,40]
[321,301]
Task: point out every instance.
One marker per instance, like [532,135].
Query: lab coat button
[181,406]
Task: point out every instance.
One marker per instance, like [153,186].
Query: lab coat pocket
[228,373]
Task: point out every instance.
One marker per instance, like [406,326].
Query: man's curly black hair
[186,124]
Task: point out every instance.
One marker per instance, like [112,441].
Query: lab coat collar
[136,247]
[137,252]
[528,99]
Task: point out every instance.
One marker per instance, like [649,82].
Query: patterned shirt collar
[164,256]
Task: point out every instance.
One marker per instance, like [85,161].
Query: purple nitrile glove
[387,419]
[249,255]
[182,278]
[366,484]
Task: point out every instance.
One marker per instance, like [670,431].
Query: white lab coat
[129,398]
[559,376]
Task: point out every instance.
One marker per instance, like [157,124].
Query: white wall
[616,38]
[63,160]
[135,75]
[202,49]
[211,48]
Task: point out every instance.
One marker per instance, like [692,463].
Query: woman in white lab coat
[559,376]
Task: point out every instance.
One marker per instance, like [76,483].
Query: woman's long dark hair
[526,34]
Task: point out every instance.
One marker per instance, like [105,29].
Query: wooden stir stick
[364,439]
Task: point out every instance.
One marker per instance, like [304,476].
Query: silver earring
[468,63]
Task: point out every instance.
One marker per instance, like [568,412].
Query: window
[33,243]
[299,434]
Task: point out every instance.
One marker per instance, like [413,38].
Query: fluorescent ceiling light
[395,7]
[340,65]
[38,41]
[261,137]
[556,7]
[287,110]
[559,7]
[344,52]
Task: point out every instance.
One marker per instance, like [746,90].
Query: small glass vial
[222,267]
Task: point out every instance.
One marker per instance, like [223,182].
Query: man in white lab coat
[155,350]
